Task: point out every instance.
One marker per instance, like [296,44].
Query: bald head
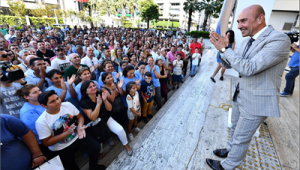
[28,58]
[251,20]
[75,59]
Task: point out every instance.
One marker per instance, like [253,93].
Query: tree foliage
[211,8]
[18,8]
[149,12]
[190,6]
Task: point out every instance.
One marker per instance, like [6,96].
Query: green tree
[18,8]
[190,6]
[65,14]
[49,11]
[150,13]
[211,8]
[38,11]
[59,13]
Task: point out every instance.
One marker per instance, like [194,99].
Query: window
[175,4]
[287,26]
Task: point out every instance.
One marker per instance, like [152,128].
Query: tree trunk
[205,21]
[148,23]
[190,19]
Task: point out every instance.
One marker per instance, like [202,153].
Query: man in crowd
[38,76]
[72,69]
[44,53]
[61,62]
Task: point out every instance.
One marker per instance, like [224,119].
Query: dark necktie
[244,53]
[248,46]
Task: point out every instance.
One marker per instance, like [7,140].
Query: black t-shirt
[89,104]
[49,53]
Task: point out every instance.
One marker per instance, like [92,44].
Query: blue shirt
[68,97]
[147,89]
[114,74]
[32,79]
[13,148]
[29,114]
[125,82]
[155,80]
[77,89]
[294,62]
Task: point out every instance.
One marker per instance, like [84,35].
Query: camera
[10,72]
[294,36]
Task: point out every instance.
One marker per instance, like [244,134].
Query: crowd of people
[74,76]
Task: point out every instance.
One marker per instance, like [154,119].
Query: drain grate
[261,154]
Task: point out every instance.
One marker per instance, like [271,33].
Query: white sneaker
[130,136]
[136,130]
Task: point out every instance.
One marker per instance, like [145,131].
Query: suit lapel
[259,39]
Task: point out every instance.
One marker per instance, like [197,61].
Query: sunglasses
[4,55]
[9,54]
[59,50]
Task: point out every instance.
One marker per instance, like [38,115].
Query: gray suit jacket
[261,70]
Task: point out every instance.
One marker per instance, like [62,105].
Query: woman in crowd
[94,104]
[13,59]
[31,111]
[107,66]
[85,75]
[231,45]
[163,79]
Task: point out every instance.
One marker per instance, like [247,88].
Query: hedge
[35,21]
[198,34]
[10,20]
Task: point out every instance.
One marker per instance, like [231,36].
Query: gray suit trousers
[243,128]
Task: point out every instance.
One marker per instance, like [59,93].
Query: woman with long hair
[231,45]
[107,66]
[31,111]
[94,104]
[84,74]
[162,79]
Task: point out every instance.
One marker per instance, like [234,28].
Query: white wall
[288,5]
[242,4]
[278,19]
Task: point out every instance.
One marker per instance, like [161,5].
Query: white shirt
[154,55]
[87,61]
[24,67]
[196,60]
[52,125]
[60,64]
[259,32]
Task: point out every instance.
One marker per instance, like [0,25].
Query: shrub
[198,34]
[10,20]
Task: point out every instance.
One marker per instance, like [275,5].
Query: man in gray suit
[260,63]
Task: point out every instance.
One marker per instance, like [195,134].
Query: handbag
[54,163]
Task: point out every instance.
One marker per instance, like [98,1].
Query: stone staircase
[169,139]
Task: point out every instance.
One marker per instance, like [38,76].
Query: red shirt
[193,47]
[182,54]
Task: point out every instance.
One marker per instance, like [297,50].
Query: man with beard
[61,62]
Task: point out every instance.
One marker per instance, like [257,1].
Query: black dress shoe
[221,78]
[150,116]
[215,165]
[221,152]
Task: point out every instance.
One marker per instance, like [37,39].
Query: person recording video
[9,83]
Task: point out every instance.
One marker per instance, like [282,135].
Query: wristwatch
[224,49]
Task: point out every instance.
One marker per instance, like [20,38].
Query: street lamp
[172,16]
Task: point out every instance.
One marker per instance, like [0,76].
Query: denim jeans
[194,68]
[290,80]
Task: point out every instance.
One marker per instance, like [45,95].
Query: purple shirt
[171,56]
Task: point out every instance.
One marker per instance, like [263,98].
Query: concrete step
[160,138]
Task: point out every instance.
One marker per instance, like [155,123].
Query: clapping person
[57,130]
[94,104]
[65,90]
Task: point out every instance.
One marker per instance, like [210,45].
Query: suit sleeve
[275,50]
